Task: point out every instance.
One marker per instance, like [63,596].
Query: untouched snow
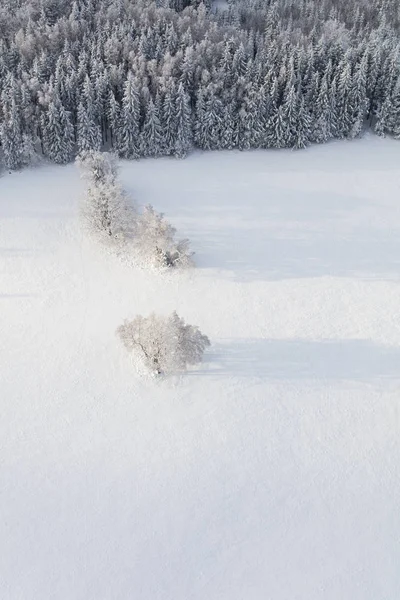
[272,471]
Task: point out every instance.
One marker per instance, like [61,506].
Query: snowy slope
[272,471]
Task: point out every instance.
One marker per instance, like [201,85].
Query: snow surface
[270,472]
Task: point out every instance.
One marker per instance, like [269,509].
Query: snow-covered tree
[210,127]
[113,115]
[156,242]
[169,121]
[88,131]
[129,130]
[58,132]
[388,113]
[11,138]
[184,137]
[151,131]
[164,344]
[106,210]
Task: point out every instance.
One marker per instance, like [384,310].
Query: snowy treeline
[110,215]
[152,79]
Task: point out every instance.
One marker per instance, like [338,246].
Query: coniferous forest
[160,78]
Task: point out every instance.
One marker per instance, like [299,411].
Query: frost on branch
[156,241]
[106,210]
[164,344]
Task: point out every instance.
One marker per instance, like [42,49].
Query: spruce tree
[344,100]
[169,119]
[113,117]
[11,138]
[212,120]
[129,132]
[89,134]
[58,132]
[183,117]
[151,132]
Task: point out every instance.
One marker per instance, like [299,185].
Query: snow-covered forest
[153,79]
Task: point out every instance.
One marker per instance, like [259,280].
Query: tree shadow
[368,255]
[298,359]
[253,221]
[277,236]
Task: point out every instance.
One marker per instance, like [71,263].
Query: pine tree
[200,119]
[113,116]
[251,119]
[323,114]
[11,138]
[288,120]
[271,112]
[228,122]
[212,120]
[183,117]
[359,101]
[302,133]
[89,134]
[188,64]
[58,133]
[388,114]
[239,62]
[394,118]
[344,106]
[129,136]
[169,121]
[151,132]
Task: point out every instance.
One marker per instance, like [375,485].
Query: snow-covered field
[269,473]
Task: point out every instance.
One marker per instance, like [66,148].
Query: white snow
[272,471]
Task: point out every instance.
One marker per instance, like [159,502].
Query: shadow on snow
[357,360]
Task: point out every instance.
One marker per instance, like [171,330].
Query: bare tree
[164,344]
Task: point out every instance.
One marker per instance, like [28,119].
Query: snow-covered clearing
[272,471]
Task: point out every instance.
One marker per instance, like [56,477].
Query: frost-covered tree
[302,132]
[113,115]
[156,242]
[11,138]
[344,100]
[151,131]
[210,125]
[88,131]
[184,136]
[106,210]
[58,132]
[164,344]
[129,129]
[169,120]
[388,113]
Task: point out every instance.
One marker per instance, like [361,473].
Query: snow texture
[269,471]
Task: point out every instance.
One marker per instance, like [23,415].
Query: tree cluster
[111,216]
[165,345]
[159,78]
